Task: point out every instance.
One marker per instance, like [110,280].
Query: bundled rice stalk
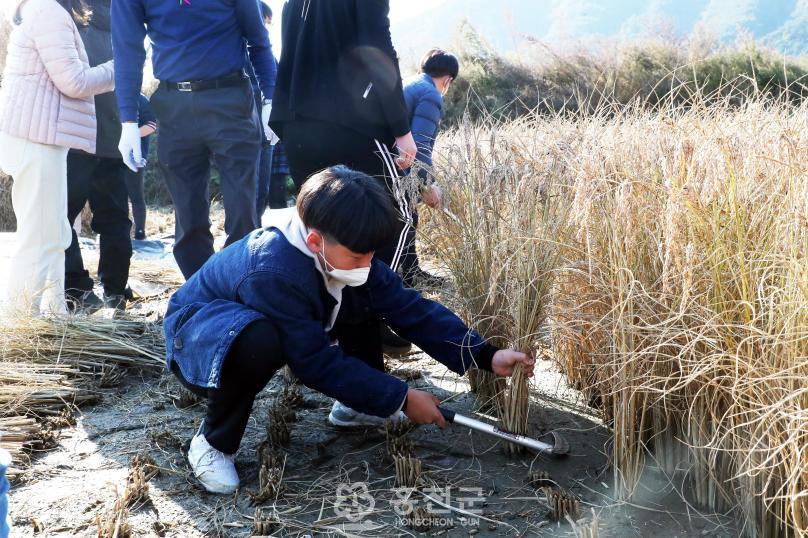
[691,325]
[17,434]
[49,365]
[467,239]
[37,389]
[505,204]
[84,343]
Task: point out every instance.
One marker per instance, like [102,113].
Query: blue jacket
[191,40]
[425,105]
[264,276]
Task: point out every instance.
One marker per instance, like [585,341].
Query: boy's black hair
[350,207]
[439,63]
[266,11]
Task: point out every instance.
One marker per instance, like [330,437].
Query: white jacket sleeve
[55,41]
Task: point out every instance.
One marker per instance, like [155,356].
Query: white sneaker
[214,469]
[342,415]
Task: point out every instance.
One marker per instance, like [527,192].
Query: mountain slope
[781,24]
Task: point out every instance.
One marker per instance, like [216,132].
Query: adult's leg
[39,197]
[134,187]
[229,123]
[109,202]
[81,167]
[264,178]
[278,193]
[357,329]
[184,159]
[253,359]
[409,258]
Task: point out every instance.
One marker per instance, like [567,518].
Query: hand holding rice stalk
[500,236]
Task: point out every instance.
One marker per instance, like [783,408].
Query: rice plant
[501,236]
[672,259]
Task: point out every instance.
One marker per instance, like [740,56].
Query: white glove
[129,146]
[266,110]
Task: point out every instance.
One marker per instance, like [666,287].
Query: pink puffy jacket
[47,90]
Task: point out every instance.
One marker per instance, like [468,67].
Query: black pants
[134,186]
[278,193]
[409,257]
[264,176]
[99,180]
[253,359]
[194,127]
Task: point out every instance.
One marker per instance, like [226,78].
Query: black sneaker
[118,302]
[140,235]
[85,302]
[393,344]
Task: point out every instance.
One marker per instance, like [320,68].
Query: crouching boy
[271,299]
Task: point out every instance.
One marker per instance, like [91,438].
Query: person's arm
[259,48]
[55,43]
[425,120]
[375,47]
[147,119]
[428,324]
[308,352]
[128,20]
[147,129]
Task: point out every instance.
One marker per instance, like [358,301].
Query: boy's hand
[505,360]
[422,408]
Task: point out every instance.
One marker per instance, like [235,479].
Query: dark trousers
[253,359]
[134,186]
[264,176]
[278,193]
[221,124]
[409,259]
[100,181]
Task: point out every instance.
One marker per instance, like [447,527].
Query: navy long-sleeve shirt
[191,40]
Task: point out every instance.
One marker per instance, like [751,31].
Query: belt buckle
[184,86]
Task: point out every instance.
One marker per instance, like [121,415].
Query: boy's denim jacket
[263,276]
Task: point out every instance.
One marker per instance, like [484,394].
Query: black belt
[227,81]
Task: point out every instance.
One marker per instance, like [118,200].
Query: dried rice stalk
[397,441]
[687,316]
[408,471]
[562,504]
[507,210]
[278,417]
[270,475]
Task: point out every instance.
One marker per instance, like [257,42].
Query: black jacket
[338,64]
[97,40]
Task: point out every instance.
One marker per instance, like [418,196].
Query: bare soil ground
[335,482]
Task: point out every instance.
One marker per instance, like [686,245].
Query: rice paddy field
[667,251]
[654,260]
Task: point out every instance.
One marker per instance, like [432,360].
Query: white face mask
[349,277]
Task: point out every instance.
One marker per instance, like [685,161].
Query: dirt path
[68,487]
